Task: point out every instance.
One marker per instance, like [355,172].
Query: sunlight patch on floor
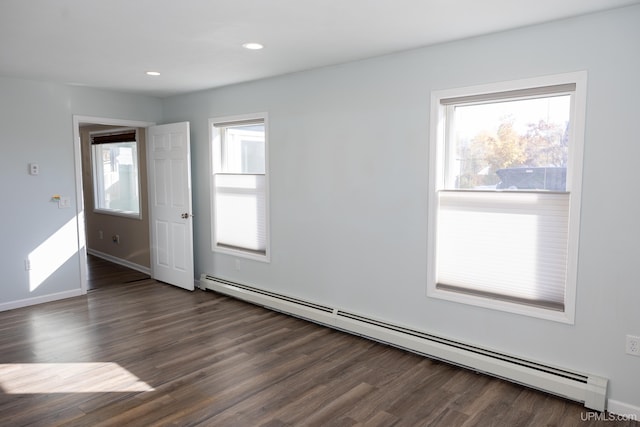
[98,377]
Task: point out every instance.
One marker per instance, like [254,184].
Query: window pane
[510,144]
[116,177]
[243,149]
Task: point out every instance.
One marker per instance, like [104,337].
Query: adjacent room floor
[104,273]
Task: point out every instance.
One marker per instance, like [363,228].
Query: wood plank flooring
[135,352]
[104,273]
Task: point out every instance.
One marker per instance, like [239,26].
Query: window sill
[239,253]
[565,316]
[122,214]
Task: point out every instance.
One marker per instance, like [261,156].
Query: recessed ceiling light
[252,46]
[153,73]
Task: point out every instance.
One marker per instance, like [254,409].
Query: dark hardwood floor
[135,352]
[104,273]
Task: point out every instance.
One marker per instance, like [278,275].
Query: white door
[170,204]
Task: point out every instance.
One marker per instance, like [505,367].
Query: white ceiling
[196,44]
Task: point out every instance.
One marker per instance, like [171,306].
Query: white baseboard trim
[39,300]
[623,409]
[120,261]
[579,386]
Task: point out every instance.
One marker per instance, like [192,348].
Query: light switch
[34,169]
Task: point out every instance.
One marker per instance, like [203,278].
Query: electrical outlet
[64,202]
[633,345]
[116,239]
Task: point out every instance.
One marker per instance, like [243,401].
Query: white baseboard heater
[589,389]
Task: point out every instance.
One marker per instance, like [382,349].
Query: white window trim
[94,178]
[215,167]
[574,185]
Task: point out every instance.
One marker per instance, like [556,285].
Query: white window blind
[240,212]
[504,245]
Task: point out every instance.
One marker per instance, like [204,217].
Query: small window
[239,151]
[505,195]
[116,173]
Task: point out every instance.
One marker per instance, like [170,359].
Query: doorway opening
[116,238]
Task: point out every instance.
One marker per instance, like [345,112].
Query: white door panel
[170,204]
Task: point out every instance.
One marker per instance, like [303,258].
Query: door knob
[185,215]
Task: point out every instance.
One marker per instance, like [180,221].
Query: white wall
[349,155]
[36,125]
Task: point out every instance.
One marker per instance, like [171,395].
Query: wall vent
[588,389]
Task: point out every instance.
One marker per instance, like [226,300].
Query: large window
[115,173]
[239,187]
[505,195]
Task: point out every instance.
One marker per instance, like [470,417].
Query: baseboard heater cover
[588,389]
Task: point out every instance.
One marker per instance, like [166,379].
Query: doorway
[102,229]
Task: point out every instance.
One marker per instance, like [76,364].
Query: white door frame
[77,152]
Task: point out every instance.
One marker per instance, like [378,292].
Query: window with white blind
[240,186]
[505,177]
